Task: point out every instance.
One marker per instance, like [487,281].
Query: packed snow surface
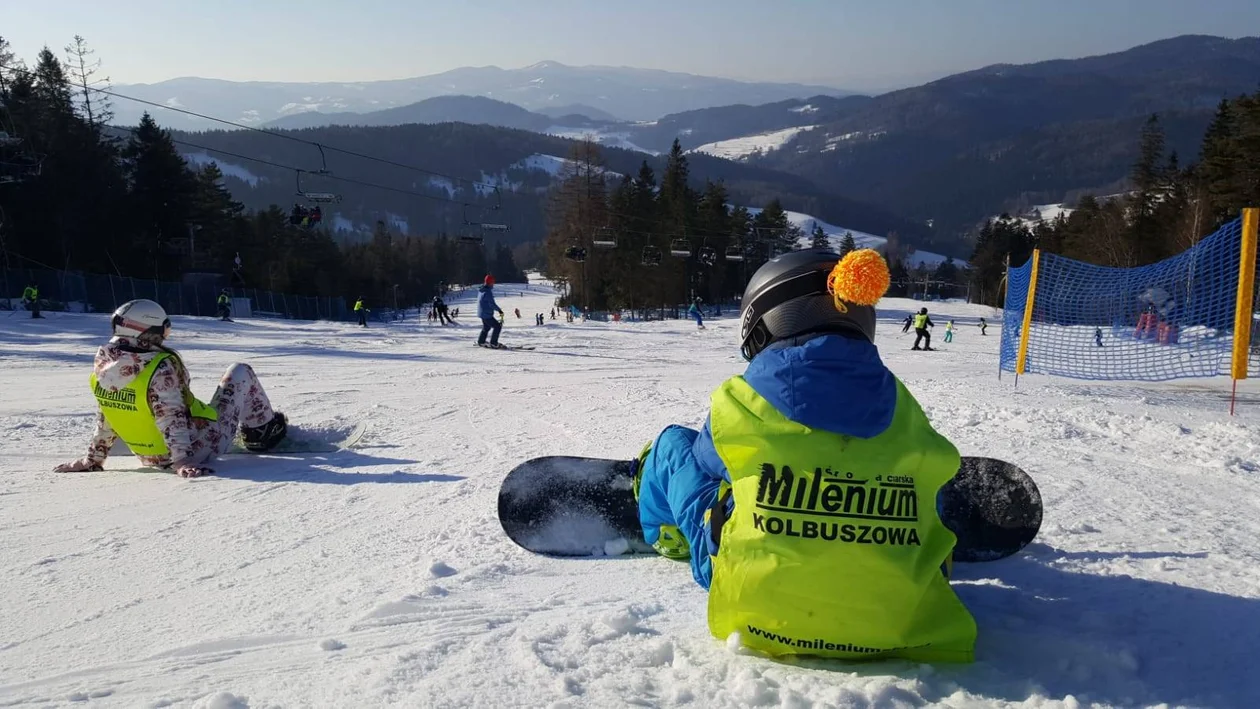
[380,576]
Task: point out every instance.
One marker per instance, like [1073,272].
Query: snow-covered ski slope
[380,576]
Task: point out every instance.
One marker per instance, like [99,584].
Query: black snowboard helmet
[788,297]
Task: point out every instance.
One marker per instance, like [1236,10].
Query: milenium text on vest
[122,399]
[827,494]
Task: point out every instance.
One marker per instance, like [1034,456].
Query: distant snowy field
[750,145]
[381,576]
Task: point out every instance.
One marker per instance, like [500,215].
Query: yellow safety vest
[920,321]
[835,548]
[129,414]
[30,293]
[358,305]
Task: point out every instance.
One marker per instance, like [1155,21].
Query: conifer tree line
[79,194]
[676,243]
[1169,209]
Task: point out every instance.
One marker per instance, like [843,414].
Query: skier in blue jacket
[486,308]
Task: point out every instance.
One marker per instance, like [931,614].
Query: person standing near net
[1098,337]
[921,324]
[361,311]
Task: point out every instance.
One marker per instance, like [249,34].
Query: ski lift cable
[264,131]
[339,178]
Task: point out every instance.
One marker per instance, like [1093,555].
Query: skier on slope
[905,325]
[984,326]
[486,308]
[921,324]
[361,311]
[224,302]
[949,331]
[142,390]
[807,503]
[30,299]
[694,312]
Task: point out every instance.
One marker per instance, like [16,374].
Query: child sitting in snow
[142,392]
[807,503]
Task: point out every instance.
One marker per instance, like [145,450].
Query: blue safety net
[1168,320]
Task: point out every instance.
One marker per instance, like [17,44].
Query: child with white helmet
[142,390]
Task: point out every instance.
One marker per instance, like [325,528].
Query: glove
[82,465]
[194,471]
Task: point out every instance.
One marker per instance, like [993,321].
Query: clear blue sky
[858,44]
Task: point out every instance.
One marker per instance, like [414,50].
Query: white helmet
[140,317]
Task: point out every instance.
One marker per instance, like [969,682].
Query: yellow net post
[1244,304]
[1021,359]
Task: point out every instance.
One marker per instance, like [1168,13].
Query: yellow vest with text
[129,414]
[920,321]
[835,548]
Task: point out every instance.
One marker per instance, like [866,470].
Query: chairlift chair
[680,247]
[604,238]
[317,197]
[651,256]
[576,254]
[734,253]
[472,239]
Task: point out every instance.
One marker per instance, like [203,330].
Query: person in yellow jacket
[30,299]
[143,397]
[807,502]
[361,311]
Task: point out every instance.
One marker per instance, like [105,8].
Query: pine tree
[847,244]
[1145,234]
[162,188]
[818,239]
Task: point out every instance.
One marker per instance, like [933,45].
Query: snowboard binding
[267,436]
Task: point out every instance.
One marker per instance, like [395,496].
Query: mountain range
[609,93]
[946,154]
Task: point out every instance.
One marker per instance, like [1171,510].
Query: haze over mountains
[613,92]
[947,153]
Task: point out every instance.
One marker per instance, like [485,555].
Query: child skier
[807,503]
[141,388]
[984,326]
[949,331]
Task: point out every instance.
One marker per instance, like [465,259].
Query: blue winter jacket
[486,307]
[829,382]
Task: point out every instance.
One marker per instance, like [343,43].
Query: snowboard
[572,506]
[300,439]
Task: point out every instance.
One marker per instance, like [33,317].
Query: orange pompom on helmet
[812,291]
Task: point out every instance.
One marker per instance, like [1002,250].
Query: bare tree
[83,73]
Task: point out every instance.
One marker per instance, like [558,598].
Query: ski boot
[265,437]
[670,542]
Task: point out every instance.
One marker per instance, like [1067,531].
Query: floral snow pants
[240,401]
